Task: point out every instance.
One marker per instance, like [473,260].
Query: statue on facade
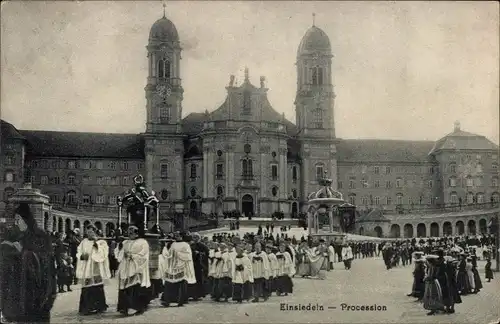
[231,80]
[262,81]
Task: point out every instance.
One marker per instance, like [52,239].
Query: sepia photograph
[249,162]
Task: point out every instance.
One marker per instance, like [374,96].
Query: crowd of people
[181,268]
[445,268]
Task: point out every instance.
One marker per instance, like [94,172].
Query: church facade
[244,155]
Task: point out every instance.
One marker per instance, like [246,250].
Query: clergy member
[133,273]
[179,271]
[92,271]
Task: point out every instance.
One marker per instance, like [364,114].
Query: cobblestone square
[367,283]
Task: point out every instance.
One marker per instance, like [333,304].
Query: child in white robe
[242,276]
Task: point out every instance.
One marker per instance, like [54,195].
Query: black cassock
[28,284]
[200,261]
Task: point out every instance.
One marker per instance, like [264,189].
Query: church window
[377,200]
[193,192]
[247,104]
[71,197]
[352,199]
[274,191]
[318,118]
[314,76]
[247,168]
[320,75]
[164,171]
[469,182]
[165,112]
[164,69]
[319,172]
[399,199]
[220,191]
[247,148]
[294,193]
[469,197]
[219,171]
[71,180]
[480,198]
[453,182]
[9,176]
[399,183]
[193,171]
[44,180]
[274,172]
[294,173]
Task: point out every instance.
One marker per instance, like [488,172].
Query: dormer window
[163,69]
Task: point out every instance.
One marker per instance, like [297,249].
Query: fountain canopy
[326,195]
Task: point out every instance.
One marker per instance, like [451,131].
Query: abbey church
[244,155]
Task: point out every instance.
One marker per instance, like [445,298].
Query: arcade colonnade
[431,226]
[64,222]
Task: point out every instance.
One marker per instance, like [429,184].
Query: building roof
[9,131]
[376,215]
[372,150]
[461,140]
[78,144]
[164,29]
[315,39]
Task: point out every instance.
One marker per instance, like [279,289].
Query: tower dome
[163,29]
[314,40]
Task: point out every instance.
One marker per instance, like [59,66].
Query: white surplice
[95,269]
[178,263]
[134,263]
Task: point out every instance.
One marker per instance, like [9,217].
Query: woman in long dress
[463,284]
[470,275]
[433,295]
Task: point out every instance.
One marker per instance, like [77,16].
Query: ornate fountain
[328,215]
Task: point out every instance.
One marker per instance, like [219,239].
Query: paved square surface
[367,283]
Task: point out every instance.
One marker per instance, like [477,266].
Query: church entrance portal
[247,205]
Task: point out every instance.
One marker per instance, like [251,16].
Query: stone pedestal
[38,202]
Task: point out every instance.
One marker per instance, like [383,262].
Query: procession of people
[190,267]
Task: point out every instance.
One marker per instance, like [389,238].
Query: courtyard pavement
[367,283]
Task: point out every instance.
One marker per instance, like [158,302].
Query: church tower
[164,148]
[314,103]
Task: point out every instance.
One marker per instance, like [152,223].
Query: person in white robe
[285,272]
[261,270]
[331,255]
[273,267]
[242,276]
[92,272]
[179,271]
[347,256]
[223,275]
[133,273]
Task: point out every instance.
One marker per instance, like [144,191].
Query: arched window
[247,168]
[318,118]
[377,200]
[9,176]
[71,197]
[319,171]
[399,199]
[364,200]
[165,111]
[220,191]
[294,193]
[193,192]
[247,102]
[317,75]
[193,171]
[453,197]
[453,182]
[247,148]
[274,191]
[352,199]
[164,69]
[480,198]
[164,170]
[294,173]
[453,167]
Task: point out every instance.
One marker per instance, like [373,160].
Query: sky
[401,70]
